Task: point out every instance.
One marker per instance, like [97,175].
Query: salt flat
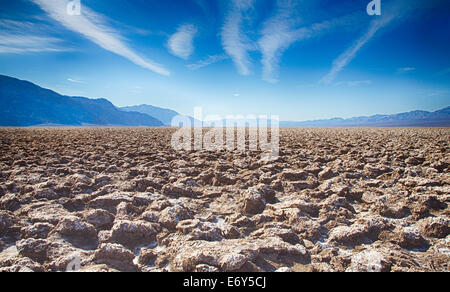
[123,199]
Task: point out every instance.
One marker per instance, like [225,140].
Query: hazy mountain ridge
[440,118]
[23,104]
[162,114]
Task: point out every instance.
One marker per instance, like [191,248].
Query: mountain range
[24,104]
[440,118]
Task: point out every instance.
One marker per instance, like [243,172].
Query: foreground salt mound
[230,255]
[123,200]
[131,233]
[115,256]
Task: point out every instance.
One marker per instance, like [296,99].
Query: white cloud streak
[75,81]
[234,41]
[395,11]
[20,38]
[92,26]
[354,83]
[206,62]
[13,25]
[406,69]
[181,43]
[20,44]
[344,59]
[280,32]
[203,4]
[277,36]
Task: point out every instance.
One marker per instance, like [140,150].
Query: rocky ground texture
[119,199]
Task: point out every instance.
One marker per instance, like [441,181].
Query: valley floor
[123,199]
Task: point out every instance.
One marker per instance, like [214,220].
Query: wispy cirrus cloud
[75,81]
[94,27]
[281,31]
[393,12]
[344,59]
[277,35]
[17,26]
[435,93]
[19,44]
[181,43]
[406,69]
[17,37]
[354,83]
[206,62]
[203,4]
[234,40]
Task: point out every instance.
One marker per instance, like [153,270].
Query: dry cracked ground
[121,199]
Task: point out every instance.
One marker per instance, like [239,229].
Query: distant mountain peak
[162,114]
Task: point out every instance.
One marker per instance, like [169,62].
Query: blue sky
[297,59]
